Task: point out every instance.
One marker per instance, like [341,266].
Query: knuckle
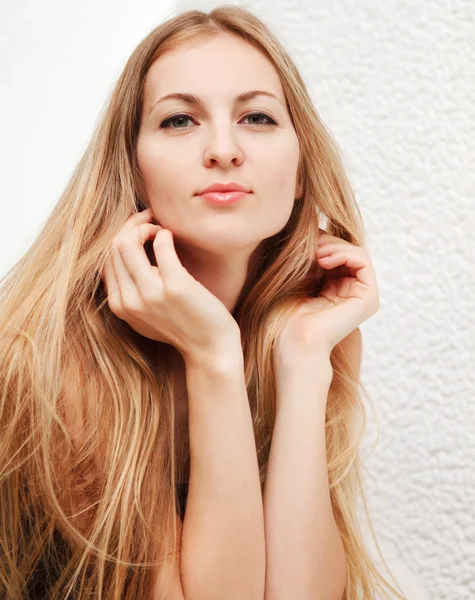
[150,295]
[132,305]
[119,242]
[115,305]
[174,289]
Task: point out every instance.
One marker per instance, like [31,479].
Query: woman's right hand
[164,303]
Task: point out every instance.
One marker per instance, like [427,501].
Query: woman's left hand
[349,296]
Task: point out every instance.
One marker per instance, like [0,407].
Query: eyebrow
[196,100]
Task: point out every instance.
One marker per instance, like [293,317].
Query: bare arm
[167,585]
[223,541]
[305,553]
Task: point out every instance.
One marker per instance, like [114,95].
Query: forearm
[223,542]
[305,554]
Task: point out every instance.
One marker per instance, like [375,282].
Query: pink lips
[228,186]
[224,198]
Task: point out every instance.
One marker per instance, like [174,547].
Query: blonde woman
[180,402]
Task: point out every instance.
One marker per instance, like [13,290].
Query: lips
[224,198]
[224,187]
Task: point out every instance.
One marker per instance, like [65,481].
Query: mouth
[224,198]
[224,187]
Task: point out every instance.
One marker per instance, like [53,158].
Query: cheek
[281,167]
[275,205]
[163,171]
[279,178]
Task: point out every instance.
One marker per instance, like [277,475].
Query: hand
[164,303]
[349,296]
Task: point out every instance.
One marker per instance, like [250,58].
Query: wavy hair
[67,359]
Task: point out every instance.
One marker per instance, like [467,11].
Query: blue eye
[173,119]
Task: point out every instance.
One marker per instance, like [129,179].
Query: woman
[160,348]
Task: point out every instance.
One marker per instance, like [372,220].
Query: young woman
[162,346]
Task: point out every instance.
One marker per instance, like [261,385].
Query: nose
[223,148]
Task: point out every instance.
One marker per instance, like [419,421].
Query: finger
[359,265]
[330,248]
[134,258]
[142,216]
[112,285]
[127,290]
[113,269]
[326,238]
[166,256]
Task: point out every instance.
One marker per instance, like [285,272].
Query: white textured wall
[394,82]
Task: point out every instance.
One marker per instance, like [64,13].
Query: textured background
[394,82]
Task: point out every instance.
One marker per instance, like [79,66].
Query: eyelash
[164,124]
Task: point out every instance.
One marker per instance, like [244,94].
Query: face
[250,142]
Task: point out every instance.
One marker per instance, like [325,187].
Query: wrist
[304,387]
[310,367]
[224,355]
[293,355]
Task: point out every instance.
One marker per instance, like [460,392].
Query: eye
[174,118]
[258,114]
[164,124]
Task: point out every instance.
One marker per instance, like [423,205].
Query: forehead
[224,65]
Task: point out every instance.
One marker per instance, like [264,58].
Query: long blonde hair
[63,352]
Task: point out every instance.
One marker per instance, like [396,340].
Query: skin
[218,144]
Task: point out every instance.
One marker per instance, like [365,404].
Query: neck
[223,274]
